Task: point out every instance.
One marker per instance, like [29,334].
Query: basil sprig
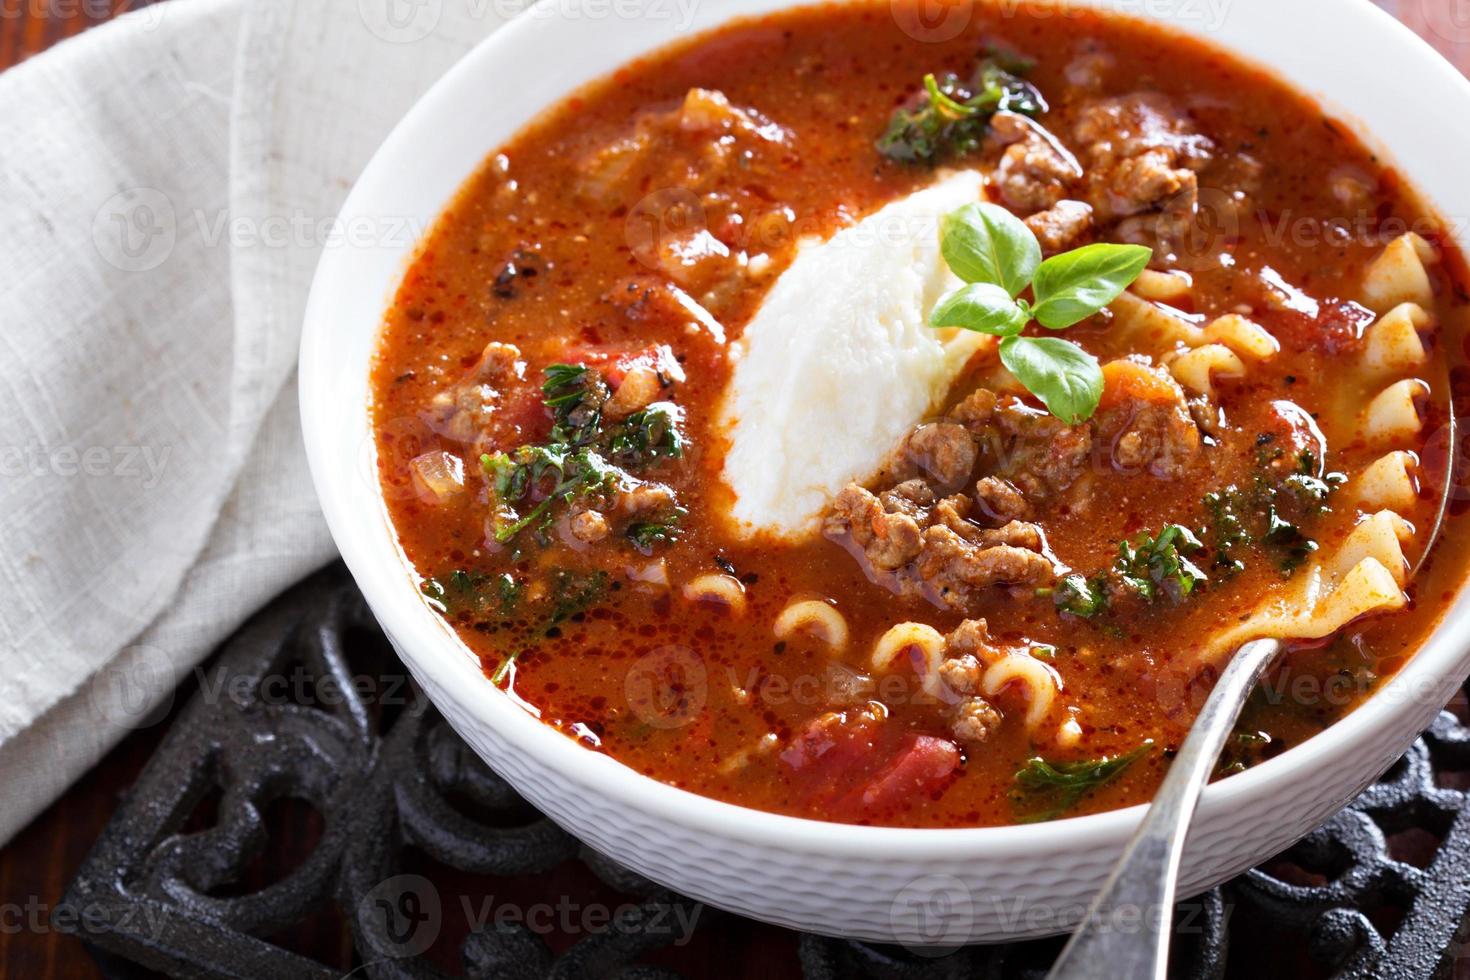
[998,257]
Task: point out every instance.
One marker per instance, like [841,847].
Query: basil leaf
[982,307]
[1073,286]
[985,243]
[1065,377]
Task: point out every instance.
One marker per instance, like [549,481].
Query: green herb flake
[1079,596]
[1155,566]
[648,535]
[950,118]
[582,458]
[648,435]
[573,593]
[1046,791]
[473,593]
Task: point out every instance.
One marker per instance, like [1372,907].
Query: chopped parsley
[1160,566]
[1048,790]
[1152,567]
[575,396]
[514,478]
[582,458]
[951,117]
[646,535]
[474,593]
[1080,596]
[1271,511]
[648,435]
[571,593]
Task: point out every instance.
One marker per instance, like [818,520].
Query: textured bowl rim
[357,517]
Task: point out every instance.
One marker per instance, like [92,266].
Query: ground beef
[942,451]
[911,497]
[589,527]
[976,411]
[1162,439]
[961,675]
[1142,154]
[1001,500]
[919,538]
[953,569]
[971,639]
[936,551]
[1036,170]
[889,540]
[643,502]
[461,412]
[1146,422]
[1060,227]
[975,721]
[1039,453]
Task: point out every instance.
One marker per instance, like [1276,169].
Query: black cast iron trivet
[422,852]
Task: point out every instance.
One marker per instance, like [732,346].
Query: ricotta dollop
[839,362]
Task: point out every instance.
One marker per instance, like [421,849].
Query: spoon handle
[1126,931]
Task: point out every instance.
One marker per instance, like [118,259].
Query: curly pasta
[1392,417]
[1163,287]
[814,617]
[1392,345]
[927,640]
[1040,682]
[1400,274]
[1366,574]
[1151,326]
[1388,483]
[1381,538]
[1245,337]
[726,590]
[1197,369]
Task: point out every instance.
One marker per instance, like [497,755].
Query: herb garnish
[572,593]
[514,478]
[951,117]
[647,435]
[1270,511]
[582,457]
[1160,565]
[998,257]
[646,535]
[474,593]
[1080,596]
[1047,790]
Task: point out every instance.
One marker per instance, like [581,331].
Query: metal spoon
[1143,883]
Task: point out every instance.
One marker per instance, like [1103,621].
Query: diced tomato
[1337,327]
[614,363]
[523,417]
[831,749]
[846,768]
[921,766]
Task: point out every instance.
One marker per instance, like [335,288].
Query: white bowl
[917,887]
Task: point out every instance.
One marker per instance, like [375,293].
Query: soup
[846,423]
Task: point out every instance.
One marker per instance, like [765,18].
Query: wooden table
[37,865]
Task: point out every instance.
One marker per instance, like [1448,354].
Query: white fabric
[167,183]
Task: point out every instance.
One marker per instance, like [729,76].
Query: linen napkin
[167,184]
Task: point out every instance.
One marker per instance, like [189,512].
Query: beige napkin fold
[167,184]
